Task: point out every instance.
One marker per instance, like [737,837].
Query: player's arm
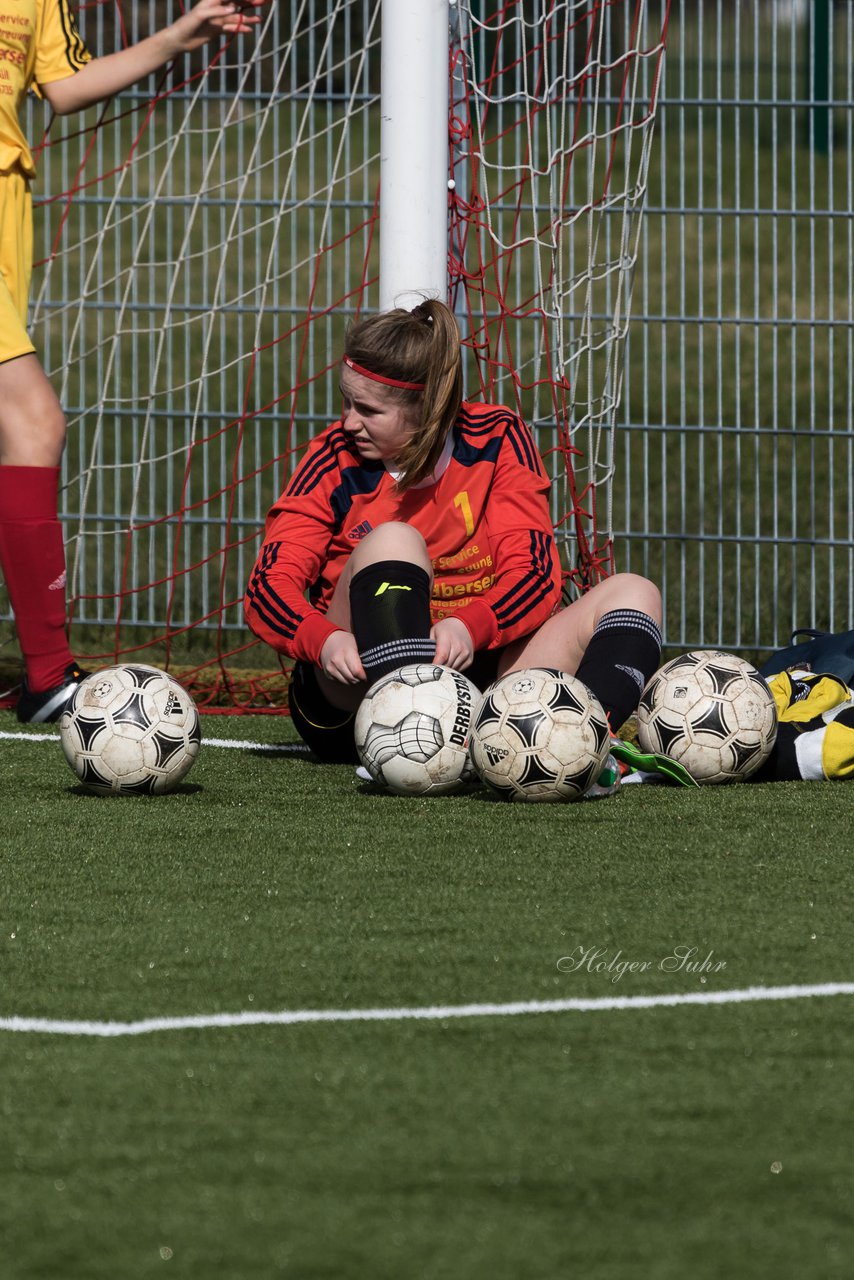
[292,558]
[340,660]
[527,584]
[277,611]
[275,605]
[103,77]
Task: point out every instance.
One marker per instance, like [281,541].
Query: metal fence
[734,453]
[734,444]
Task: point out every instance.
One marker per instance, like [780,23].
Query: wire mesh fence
[733,451]
[733,480]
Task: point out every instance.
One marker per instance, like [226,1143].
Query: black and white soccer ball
[712,712]
[412,730]
[130,730]
[540,735]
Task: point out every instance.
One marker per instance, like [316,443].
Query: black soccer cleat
[41,708]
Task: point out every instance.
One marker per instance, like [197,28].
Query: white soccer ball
[130,730]
[540,735]
[712,712]
[412,730]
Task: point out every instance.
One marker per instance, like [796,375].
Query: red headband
[378,377]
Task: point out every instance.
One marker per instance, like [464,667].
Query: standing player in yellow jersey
[41,49]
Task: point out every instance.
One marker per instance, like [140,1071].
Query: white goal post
[414,163]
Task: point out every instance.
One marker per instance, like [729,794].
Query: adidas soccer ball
[712,712]
[412,730]
[130,730]
[540,735]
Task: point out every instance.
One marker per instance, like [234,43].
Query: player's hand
[454,645]
[105,76]
[211,18]
[339,658]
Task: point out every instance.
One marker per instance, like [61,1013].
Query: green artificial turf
[701,1140]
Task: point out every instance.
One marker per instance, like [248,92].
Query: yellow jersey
[39,43]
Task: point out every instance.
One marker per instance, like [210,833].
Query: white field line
[429,1013]
[291,749]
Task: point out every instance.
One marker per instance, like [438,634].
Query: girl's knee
[631,591]
[393,540]
[54,432]
[32,422]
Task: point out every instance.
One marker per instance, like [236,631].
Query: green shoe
[628,753]
[607,782]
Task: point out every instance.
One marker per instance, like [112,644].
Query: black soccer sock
[390,612]
[624,651]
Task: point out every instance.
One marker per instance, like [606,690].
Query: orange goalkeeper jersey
[484,516]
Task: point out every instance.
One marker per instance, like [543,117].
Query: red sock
[32,557]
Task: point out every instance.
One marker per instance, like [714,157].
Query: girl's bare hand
[339,658]
[454,645]
[211,18]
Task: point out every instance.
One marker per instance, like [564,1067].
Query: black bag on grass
[830,653]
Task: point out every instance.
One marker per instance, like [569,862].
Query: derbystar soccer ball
[129,731]
[540,735]
[412,730]
[711,711]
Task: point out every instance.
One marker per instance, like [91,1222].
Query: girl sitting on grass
[417,528]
